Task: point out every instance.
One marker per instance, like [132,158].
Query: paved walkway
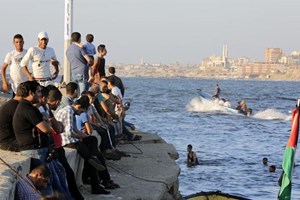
[149,174]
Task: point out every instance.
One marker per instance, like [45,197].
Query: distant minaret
[142,61]
[225,55]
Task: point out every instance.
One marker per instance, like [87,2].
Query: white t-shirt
[41,61]
[117,92]
[17,76]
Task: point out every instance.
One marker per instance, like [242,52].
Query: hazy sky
[160,31]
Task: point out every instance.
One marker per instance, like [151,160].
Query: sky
[159,31]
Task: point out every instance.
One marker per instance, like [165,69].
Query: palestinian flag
[288,159]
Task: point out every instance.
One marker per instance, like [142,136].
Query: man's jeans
[38,156]
[81,81]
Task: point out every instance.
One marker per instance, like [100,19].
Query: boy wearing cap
[41,57]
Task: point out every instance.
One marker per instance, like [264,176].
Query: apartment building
[273,55]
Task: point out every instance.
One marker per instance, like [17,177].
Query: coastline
[195,72]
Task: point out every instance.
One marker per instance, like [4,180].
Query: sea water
[230,147]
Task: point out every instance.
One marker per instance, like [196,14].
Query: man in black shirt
[8,139]
[98,68]
[30,129]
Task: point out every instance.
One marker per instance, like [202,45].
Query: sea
[230,147]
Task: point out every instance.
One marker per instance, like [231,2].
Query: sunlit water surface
[230,147]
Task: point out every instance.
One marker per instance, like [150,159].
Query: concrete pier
[150,173]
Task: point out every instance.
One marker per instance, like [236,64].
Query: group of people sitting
[39,122]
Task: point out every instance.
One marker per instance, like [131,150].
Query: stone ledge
[151,172]
[8,178]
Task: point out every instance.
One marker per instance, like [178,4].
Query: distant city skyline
[159,31]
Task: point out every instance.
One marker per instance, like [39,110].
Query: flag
[288,159]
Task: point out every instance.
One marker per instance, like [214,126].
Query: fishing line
[137,177]
[140,151]
[20,177]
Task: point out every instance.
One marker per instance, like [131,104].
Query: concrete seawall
[150,173]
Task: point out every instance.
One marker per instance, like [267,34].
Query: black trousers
[61,156]
[88,148]
[92,143]
[108,140]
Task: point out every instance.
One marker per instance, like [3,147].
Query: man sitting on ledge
[27,119]
[8,139]
[86,145]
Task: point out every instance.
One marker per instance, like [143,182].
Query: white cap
[42,35]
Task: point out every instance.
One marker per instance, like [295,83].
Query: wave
[196,105]
[272,114]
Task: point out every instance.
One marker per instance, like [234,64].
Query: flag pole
[67,38]
[285,180]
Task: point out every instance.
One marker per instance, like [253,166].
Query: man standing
[42,57]
[99,64]
[217,92]
[13,60]
[80,62]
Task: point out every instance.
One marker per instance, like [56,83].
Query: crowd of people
[39,121]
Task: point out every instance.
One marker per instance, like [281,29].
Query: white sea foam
[272,114]
[196,105]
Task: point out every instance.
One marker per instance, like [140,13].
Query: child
[89,46]
[91,51]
